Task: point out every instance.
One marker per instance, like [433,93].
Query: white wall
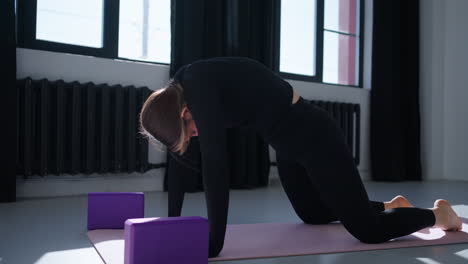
[444,89]
[44,64]
[68,67]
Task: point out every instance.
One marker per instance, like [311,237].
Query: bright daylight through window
[145,30]
[70,22]
[340,35]
[144,26]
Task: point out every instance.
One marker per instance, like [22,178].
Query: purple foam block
[166,240]
[109,210]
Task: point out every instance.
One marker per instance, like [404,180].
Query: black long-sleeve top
[221,93]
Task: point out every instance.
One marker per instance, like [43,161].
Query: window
[297,41]
[71,22]
[125,29]
[145,30]
[321,41]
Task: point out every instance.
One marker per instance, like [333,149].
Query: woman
[315,166]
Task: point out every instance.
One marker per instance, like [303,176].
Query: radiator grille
[72,127]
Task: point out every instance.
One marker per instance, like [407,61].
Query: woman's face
[190,126]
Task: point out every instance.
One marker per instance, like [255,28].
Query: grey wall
[444,89]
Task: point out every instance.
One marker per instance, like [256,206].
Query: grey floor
[53,230]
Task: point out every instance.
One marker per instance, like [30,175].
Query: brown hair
[160,118]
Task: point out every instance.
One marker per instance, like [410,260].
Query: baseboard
[274,177]
[70,185]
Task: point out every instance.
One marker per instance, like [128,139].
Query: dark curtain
[395,120]
[8,110]
[213,28]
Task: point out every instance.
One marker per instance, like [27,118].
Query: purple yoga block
[109,210]
[166,240]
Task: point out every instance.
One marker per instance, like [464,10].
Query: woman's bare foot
[398,201]
[446,218]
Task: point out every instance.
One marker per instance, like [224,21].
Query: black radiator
[72,127]
[348,116]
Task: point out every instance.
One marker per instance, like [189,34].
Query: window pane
[340,56]
[70,21]
[297,41]
[145,30]
[341,15]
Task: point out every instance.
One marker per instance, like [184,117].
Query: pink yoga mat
[267,240]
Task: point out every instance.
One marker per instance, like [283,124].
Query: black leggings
[320,178]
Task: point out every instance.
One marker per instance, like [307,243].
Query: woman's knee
[369,234]
[316,220]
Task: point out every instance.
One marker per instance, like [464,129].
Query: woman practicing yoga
[315,166]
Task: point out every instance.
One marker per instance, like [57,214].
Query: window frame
[319,33]
[26,37]
[27,17]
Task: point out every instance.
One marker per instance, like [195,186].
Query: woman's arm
[203,101]
[216,183]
